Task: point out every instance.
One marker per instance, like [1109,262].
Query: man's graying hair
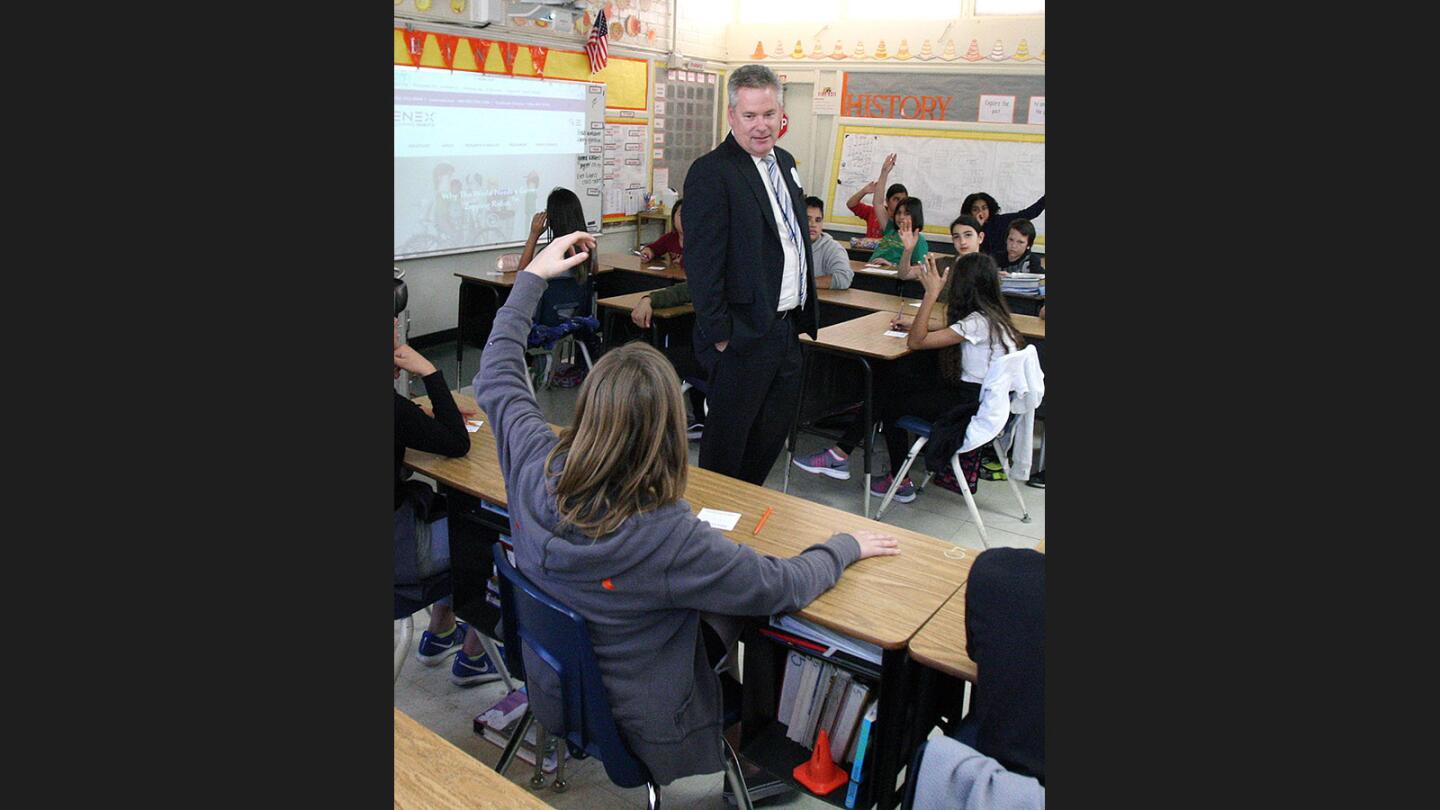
[757,76]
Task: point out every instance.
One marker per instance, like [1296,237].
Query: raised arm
[707,217]
[537,227]
[909,237]
[882,207]
[859,195]
[521,432]
[920,336]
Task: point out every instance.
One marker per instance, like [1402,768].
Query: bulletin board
[940,167]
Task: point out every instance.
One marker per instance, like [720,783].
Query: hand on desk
[640,315]
[552,261]
[880,262]
[646,254]
[875,544]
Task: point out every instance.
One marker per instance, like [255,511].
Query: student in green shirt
[909,212]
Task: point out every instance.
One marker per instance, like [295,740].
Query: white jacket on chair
[1014,384]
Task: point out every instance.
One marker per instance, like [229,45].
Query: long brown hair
[626,451]
[975,287]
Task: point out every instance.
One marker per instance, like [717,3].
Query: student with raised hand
[671,243]
[876,218]
[978,330]
[892,250]
[832,263]
[601,526]
[422,535]
[1018,256]
[562,215]
[994,224]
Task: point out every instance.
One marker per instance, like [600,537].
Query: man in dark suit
[747,256]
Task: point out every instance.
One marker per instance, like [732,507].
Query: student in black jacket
[422,536]
[983,207]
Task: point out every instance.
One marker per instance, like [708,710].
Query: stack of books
[498,723]
[818,695]
[1026,283]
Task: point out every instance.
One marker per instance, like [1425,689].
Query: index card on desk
[724,521]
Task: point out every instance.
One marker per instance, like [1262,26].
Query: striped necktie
[787,213]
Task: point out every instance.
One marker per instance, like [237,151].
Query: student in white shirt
[979,329]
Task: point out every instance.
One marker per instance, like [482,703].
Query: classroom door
[799,139]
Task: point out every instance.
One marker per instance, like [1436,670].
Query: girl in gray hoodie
[598,523]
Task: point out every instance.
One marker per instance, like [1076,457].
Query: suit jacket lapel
[747,168]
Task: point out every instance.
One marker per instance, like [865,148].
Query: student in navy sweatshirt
[600,525]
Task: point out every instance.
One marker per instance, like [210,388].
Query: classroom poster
[624,167]
[997,109]
[826,100]
[1037,111]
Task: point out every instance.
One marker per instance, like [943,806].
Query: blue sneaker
[467,671]
[825,462]
[433,650]
[905,493]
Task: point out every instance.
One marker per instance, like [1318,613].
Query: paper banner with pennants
[537,58]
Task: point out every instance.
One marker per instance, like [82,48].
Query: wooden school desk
[862,339]
[620,306]
[622,273]
[481,295]
[432,774]
[883,600]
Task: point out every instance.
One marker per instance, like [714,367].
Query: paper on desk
[893,333]
[473,425]
[724,521]
[912,303]
[884,271]
[655,267]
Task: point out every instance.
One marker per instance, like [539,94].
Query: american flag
[595,46]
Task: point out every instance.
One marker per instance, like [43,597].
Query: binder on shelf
[857,771]
[839,688]
[794,667]
[805,693]
[846,721]
[817,704]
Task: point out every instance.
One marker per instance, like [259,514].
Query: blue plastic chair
[560,638]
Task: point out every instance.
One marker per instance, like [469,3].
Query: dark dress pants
[752,398]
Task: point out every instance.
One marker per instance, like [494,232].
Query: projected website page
[476,155]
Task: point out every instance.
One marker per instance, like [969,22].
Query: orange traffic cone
[820,774]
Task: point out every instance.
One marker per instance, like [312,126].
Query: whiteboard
[940,167]
[477,154]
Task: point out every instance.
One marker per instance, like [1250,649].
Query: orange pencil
[768,511]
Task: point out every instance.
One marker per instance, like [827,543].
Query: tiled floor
[428,696]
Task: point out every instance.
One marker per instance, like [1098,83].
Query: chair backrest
[559,638]
[564,298]
[1007,375]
